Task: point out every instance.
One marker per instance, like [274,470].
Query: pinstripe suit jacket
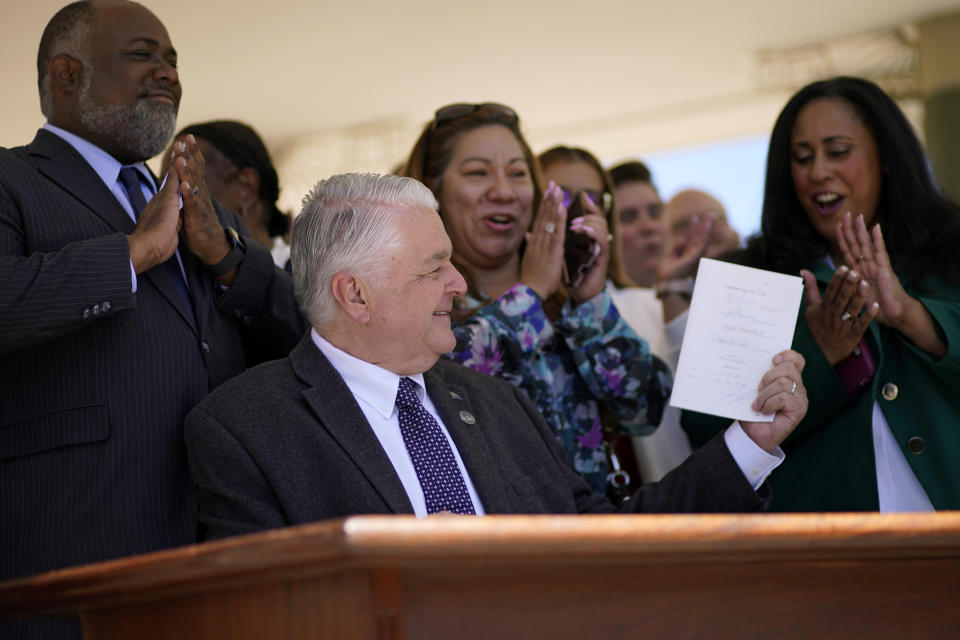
[286,443]
[95,380]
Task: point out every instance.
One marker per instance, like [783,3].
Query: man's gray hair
[348,223]
[68,32]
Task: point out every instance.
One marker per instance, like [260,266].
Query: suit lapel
[199,296]
[454,406]
[338,412]
[61,164]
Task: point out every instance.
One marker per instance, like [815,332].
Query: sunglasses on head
[459,110]
[599,198]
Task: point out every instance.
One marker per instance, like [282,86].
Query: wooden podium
[584,577]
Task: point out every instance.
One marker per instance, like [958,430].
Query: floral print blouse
[573,369]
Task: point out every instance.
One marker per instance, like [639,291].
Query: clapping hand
[542,263]
[839,319]
[202,230]
[155,238]
[682,259]
[864,250]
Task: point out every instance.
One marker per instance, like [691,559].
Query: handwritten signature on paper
[732,342]
[726,381]
[744,327]
[740,317]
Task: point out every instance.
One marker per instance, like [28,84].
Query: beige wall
[346,86]
[939,78]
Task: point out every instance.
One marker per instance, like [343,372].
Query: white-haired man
[364,416]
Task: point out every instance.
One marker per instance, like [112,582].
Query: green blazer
[830,462]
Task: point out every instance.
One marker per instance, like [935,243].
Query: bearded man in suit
[364,417]
[120,308]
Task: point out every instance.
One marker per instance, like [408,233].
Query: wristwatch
[682,287]
[238,249]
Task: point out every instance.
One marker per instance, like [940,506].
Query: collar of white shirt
[374,385]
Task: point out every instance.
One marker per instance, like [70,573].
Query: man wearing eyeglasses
[690,205]
[364,417]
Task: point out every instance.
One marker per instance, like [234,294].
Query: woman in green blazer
[850,205]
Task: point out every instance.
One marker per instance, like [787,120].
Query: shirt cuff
[755,463]
[133,278]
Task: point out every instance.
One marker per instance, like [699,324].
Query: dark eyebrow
[827,140]
[488,161]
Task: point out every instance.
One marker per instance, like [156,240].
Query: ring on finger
[609,237]
[549,227]
[793,389]
[846,317]
[196,190]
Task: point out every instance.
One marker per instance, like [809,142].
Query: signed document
[739,319]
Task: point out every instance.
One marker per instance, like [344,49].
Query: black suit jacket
[95,380]
[286,443]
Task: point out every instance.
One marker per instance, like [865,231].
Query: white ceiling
[353,80]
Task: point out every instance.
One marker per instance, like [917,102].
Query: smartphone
[580,251]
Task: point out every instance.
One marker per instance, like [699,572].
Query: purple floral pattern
[573,369]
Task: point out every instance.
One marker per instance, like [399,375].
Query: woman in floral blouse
[568,349]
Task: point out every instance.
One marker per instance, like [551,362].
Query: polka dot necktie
[437,470]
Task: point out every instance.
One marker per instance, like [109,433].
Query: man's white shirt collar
[373,384]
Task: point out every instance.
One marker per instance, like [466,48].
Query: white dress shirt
[375,390]
[897,485]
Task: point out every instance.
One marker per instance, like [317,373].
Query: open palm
[865,251]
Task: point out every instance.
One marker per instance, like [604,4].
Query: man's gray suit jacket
[286,443]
